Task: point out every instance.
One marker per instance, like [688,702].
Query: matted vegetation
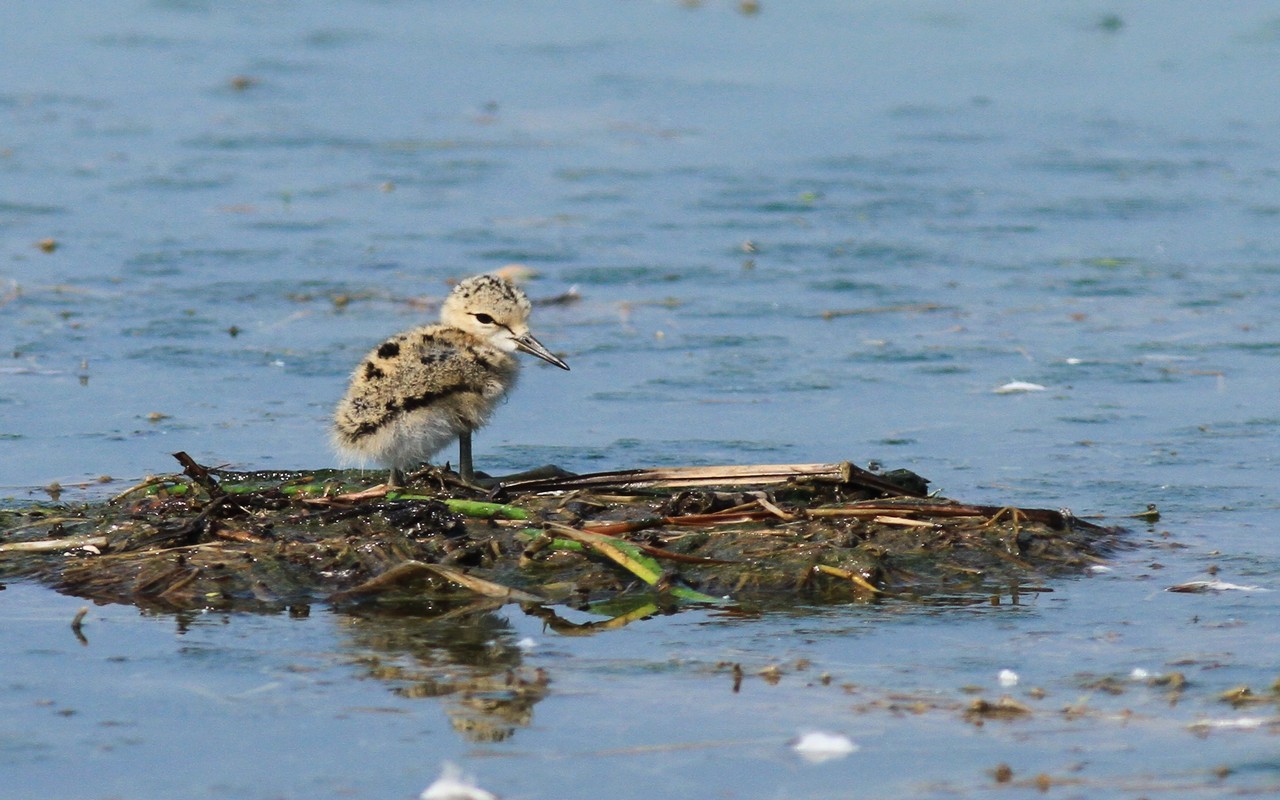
[620,543]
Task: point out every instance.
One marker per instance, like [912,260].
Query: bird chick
[422,388]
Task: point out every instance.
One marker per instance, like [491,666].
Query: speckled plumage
[422,388]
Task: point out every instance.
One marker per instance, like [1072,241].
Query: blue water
[1081,196]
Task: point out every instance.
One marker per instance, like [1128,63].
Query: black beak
[533,347]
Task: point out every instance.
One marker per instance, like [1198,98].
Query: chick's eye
[483,319]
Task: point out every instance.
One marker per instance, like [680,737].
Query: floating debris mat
[616,542]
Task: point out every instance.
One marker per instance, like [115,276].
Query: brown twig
[198,474]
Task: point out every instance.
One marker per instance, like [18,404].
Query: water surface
[802,235]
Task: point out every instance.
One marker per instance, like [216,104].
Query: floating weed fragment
[77,625]
[1238,696]
[1152,514]
[453,785]
[1019,387]
[1110,23]
[1004,708]
[1175,681]
[1108,684]
[819,746]
[1215,585]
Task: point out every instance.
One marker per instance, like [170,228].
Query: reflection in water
[620,612]
[466,656]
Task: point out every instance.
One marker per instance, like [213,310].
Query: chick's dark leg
[465,470]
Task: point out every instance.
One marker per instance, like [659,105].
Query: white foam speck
[453,785]
[817,747]
[1019,387]
[1239,723]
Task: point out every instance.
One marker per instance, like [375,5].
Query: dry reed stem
[903,522]
[853,577]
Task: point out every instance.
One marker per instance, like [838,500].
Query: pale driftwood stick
[50,545]
[675,477]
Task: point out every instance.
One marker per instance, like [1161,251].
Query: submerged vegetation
[622,544]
